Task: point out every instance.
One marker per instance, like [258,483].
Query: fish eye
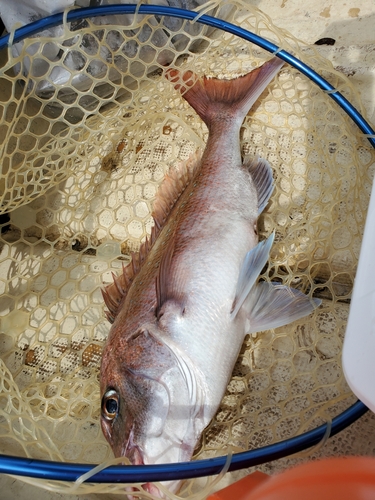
[110,405]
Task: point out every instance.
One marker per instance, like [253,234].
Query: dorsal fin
[172,187]
[168,193]
[116,291]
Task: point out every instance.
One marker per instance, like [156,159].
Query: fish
[181,309]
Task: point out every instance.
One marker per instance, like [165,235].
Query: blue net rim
[49,470]
[43,469]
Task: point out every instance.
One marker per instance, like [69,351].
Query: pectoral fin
[252,265]
[168,286]
[162,276]
[270,305]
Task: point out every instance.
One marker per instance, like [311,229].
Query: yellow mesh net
[82,156]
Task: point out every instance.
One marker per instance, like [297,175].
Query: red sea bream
[181,309]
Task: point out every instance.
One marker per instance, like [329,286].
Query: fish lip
[136,456]
[153,490]
[148,487]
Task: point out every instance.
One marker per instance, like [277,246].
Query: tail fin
[212,98]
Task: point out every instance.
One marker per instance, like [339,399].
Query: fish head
[150,402]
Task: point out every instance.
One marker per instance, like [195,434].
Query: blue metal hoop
[164,472]
[43,469]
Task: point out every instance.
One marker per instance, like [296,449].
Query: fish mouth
[132,451]
[147,487]
[153,490]
[171,486]
[134,454]
[135,493]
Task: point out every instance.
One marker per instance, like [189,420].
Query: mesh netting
[82,155]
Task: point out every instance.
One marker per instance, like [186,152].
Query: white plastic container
[358,355]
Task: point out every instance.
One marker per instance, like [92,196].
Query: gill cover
[185,418]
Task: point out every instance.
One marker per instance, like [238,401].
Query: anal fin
[261,174]
[270,305]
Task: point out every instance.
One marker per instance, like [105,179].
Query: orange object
[344,478]
[241,489]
